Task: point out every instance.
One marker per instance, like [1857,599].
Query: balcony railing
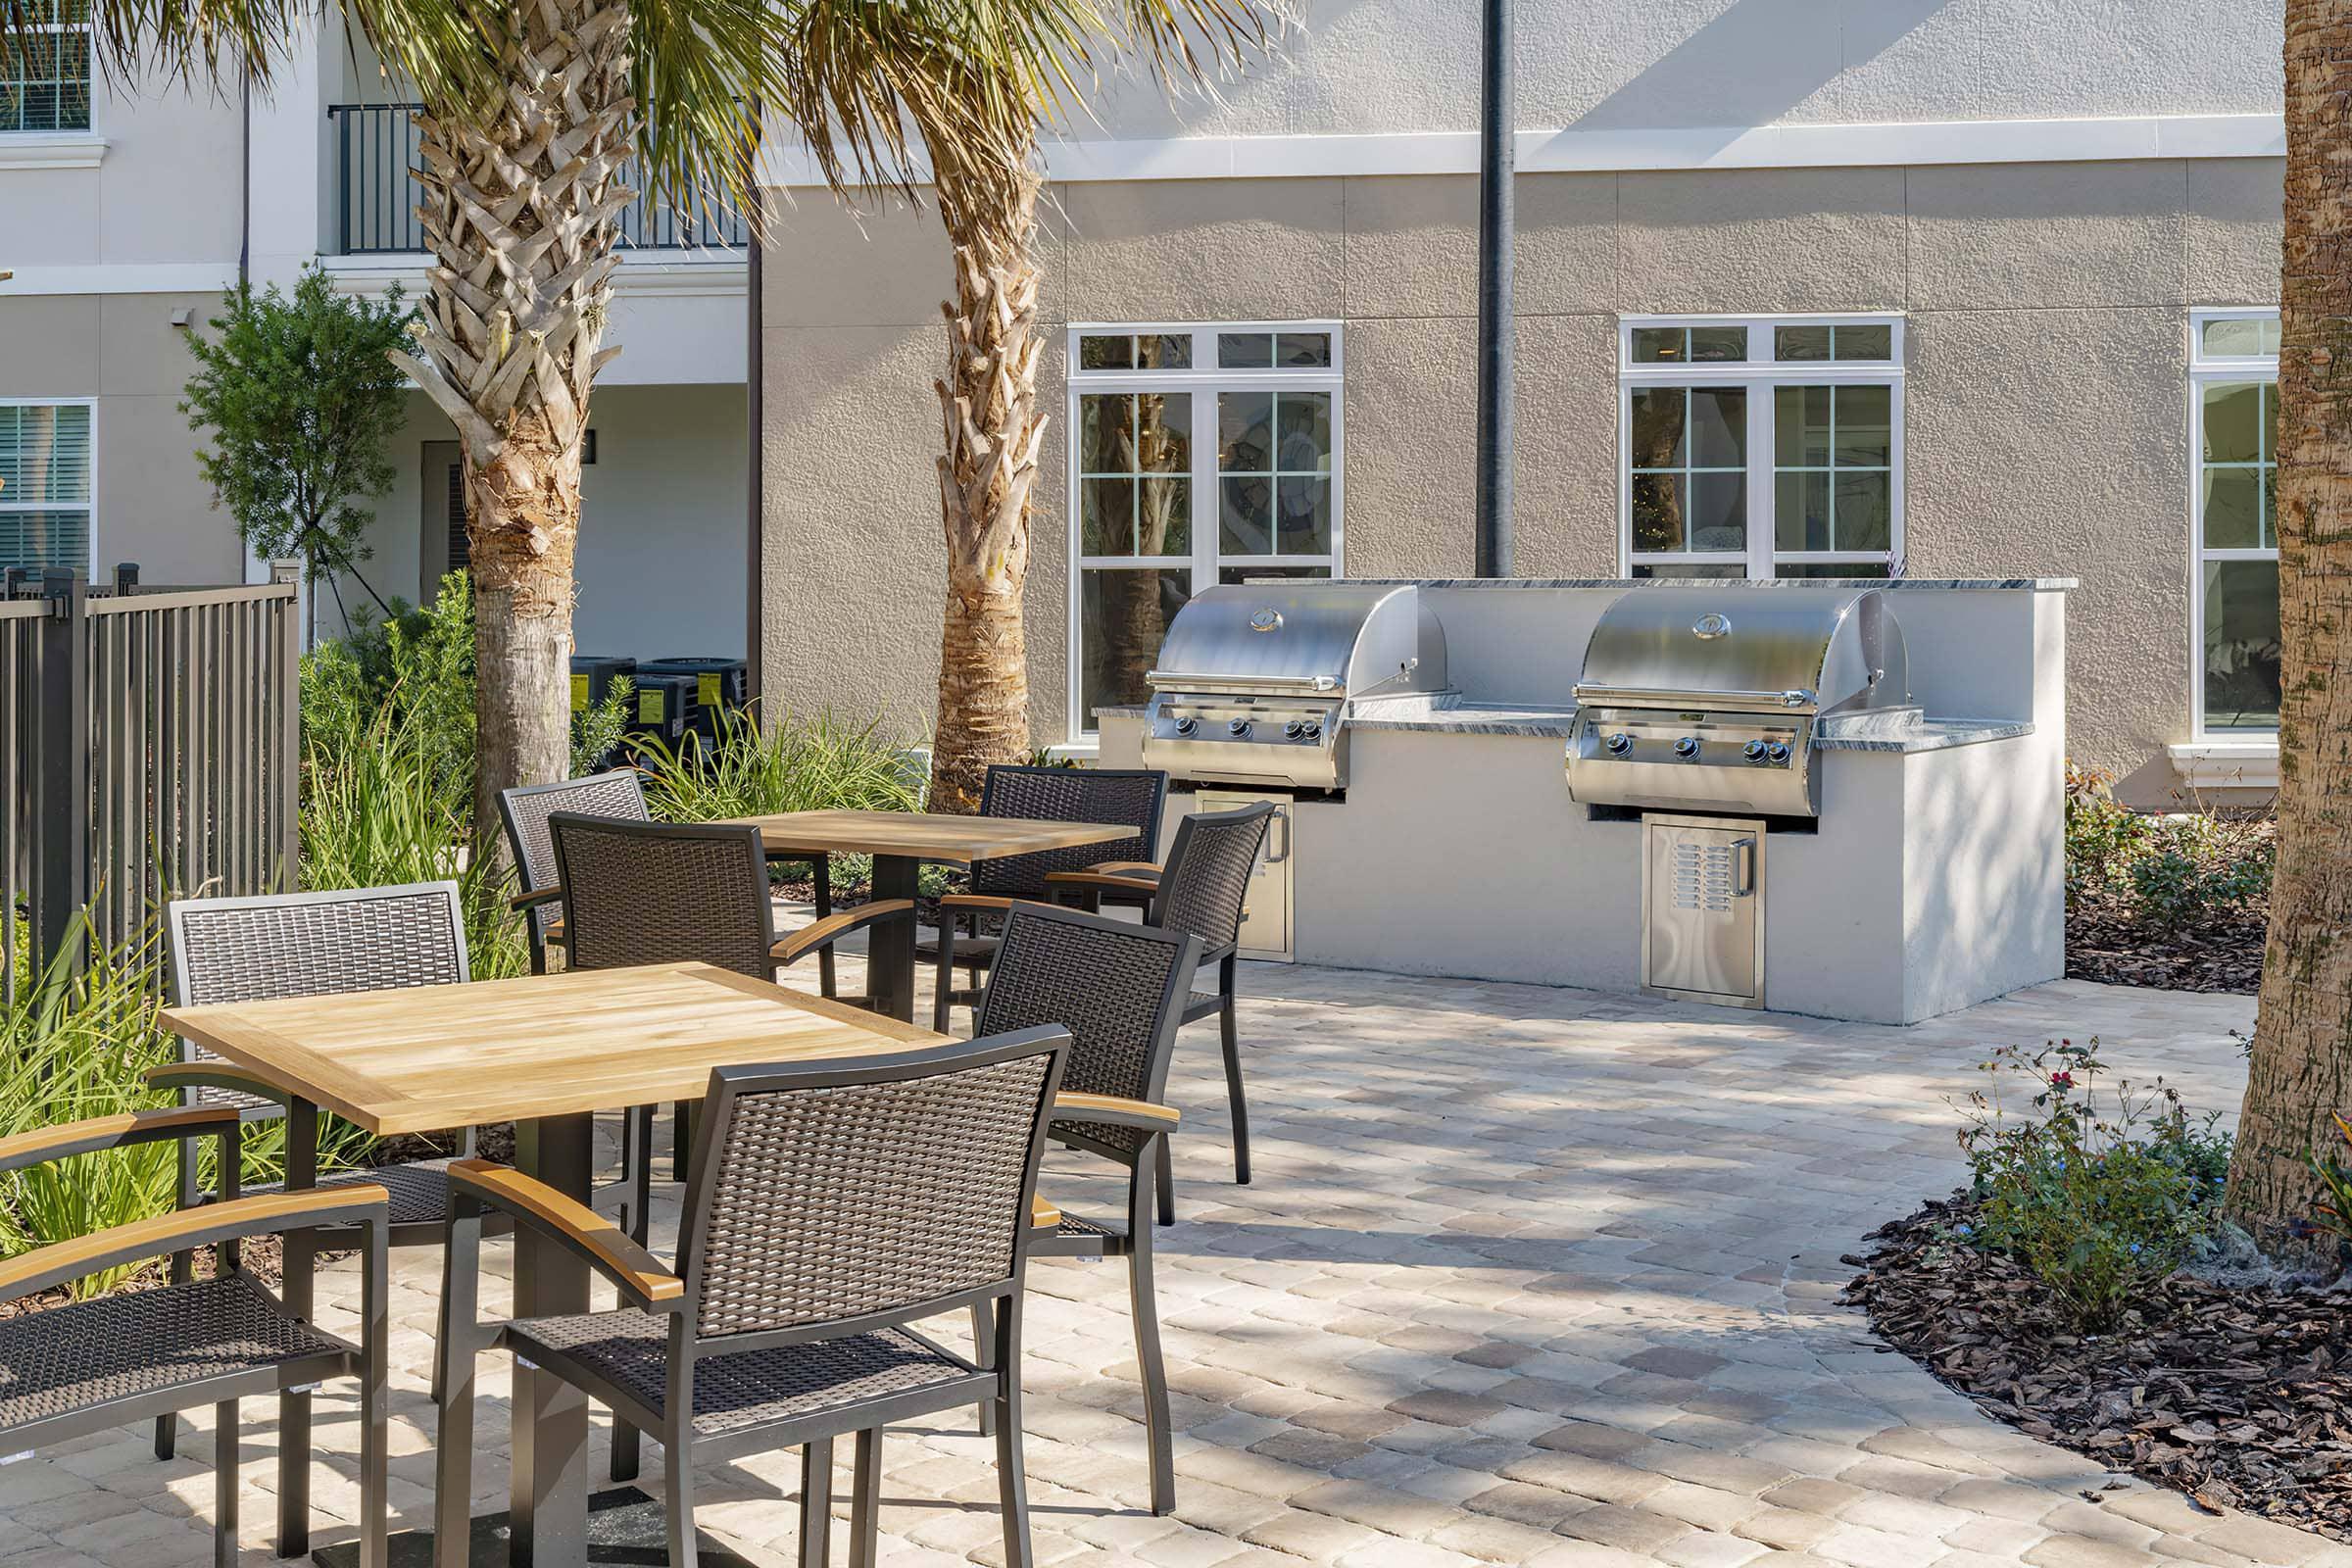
[377,148]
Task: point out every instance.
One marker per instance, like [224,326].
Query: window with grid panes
[45,492]
[2233,382]
[45,68]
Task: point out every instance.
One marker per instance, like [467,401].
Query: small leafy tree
[298,396]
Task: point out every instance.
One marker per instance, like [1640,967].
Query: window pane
[44,453]
[1716,345]
[1657,345]
[1865,427]
[1656,433]
[1657,505]
[1303,420]
[1123,616]
[1245,520]
[1106,516]
[2241,644]
[1245,431]
[2270,509]
[1800,342]
[1164,442]
[1864,342]
[1101,352]
[1106,433]
[1245,351]
[1864,518]
[1718,512]
[1234,575]
[2232,501]
[1304,350]
[1800,511]
[1303,515]
[49,538]
[1830,568]
[1711,570]
[1173,352]
[1163,516]
[2233,422]
[1800,426]
[2270,421]
[1718,427]
[2244,335]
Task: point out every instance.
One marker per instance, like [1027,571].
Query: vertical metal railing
[149,746]
[378,145]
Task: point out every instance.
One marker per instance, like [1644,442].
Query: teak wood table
[900,843]
[543,1051]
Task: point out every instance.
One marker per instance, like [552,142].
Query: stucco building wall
[2045,418]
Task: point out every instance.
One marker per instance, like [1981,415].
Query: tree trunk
[2302,1058]
[519,212]
[988,399]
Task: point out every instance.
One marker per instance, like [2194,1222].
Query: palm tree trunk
[2302,1057]
[520,210]
[988,401]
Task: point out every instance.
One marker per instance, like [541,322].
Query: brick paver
[1527,1275]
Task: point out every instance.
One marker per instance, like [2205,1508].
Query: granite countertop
[2023,584]
[1453,715]
[1124,710]
[1932,735]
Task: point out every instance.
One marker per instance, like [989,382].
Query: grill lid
[1751,649]
[1338,638]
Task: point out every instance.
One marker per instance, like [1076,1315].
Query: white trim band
[1446,151]
[51,149]
[123,278]
[2228,764]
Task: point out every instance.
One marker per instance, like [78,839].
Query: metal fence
[377,148]
[149,740]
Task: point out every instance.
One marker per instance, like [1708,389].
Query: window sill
[2250,764]
[51,149]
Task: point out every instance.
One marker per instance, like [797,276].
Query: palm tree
[2302,1057]
[978,86]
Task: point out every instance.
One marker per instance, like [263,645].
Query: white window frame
[1205,381]
[89,566]
[90,85]
[1760,376]
[2205,368]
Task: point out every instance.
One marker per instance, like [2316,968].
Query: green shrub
[2168,871]
[2100,833]
[2097,1203]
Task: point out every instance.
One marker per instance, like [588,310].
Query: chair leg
[1012,1483]
[681,1138]
[945,987]
[1167,1184]
[224,1483]
[452,1378]
[376,1400]
[866,1500]
[678,1483]
[822,870]
[183,1269]
[1233,1074]
[638,1145]
[816,1503]
[1144,1307]
[984,1356]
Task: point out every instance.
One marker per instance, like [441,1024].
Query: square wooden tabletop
[427,1058]
[925,835]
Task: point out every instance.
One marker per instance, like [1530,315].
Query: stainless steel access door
[1702,908]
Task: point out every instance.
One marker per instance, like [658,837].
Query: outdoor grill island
[1836,798]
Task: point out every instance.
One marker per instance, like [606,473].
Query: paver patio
[1528,1276]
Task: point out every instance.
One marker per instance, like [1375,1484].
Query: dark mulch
[2221,952]
[2239,1398]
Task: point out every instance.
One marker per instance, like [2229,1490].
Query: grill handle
[1797,701]
[1286,683]
[1746,850]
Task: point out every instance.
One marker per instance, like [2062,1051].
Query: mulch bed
[2220,953]
[2238,1397]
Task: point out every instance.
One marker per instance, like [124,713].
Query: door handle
[1746,850]
[1283,819]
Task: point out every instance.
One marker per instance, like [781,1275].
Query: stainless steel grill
[1255,681]
[1710,698]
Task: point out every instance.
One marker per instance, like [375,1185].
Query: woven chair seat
[981,950]
[419,1190]
[237,1098]
[68,1359]
[751,1387]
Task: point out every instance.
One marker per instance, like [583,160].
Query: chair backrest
[312,943]
[525,808]
[1129,797]
[662,893]
[1205,883]
[1118,987]
[884,1189]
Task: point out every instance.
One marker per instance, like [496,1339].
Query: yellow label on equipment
[648,705]
[705,688]
[580,694]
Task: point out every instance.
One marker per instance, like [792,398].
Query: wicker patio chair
[1131,797]
[80,1368]
[1203,889]
[833,1205]
[1119,989]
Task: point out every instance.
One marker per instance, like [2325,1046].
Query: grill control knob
[1294,728]
[1687,746]
[1236,727]
[1310,730]
[1185,726]
[1778,751]
[1753,751]
[1619,744]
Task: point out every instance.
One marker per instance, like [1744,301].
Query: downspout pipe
[1498,163]
[755,610]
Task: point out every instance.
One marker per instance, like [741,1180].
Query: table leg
[890,946]
[550,1500]
[296,1291]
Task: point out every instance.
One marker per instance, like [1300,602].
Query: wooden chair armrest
[44,1143]
[978,900]
[1043,1215]
[263,1214]
[532,900]
[1102,881]
[1142,868]
[604,1245]
[1111,1108]
[216,1075]
[833,927]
